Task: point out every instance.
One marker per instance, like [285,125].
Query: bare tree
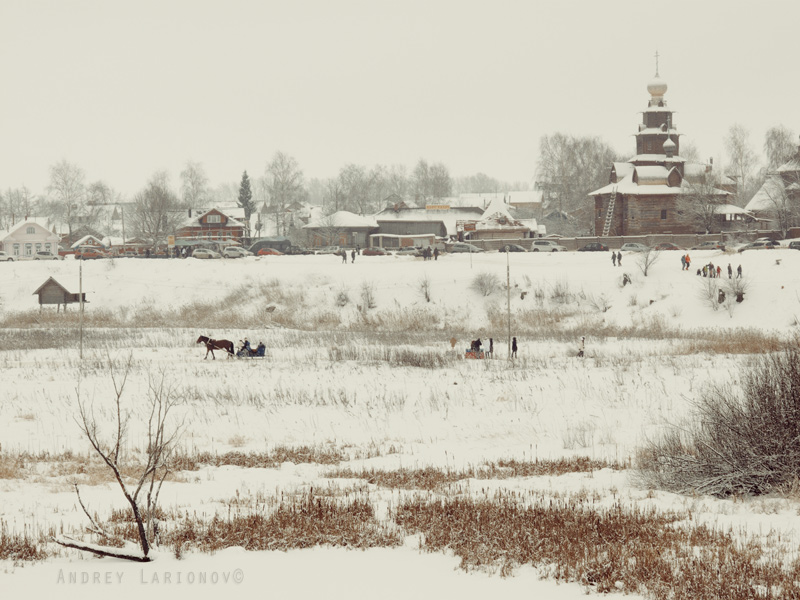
[647,259]
[163,397]
[334,195]
[330,231]
[15,204]
[700,201]
[194,184]
[441,184]
[285,186]
[157,212]
[568,169]
[778,146]
[742,160]
[68,191]
[783,207]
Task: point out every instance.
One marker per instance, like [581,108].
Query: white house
[28,237]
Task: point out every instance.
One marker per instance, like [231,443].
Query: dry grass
[21,546]
[260,460]
[432,478]
[632,551]
[303,522]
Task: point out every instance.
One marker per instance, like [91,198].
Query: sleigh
[251,352]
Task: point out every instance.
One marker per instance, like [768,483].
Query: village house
[212,227]
[26,238]
[778,199]
[341,228]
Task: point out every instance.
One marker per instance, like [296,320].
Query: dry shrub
[485,283]
[744,441]
[298,523]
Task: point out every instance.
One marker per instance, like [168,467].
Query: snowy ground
[547,404]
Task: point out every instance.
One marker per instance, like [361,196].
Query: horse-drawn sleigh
[244,351]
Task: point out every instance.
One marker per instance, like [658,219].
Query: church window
[664,214]
[30,230]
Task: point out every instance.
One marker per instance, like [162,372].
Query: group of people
[712,271]
[616,259]
[427,253]
[686,262]
[475,347]
[246,350]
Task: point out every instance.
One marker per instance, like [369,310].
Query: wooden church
[644,194]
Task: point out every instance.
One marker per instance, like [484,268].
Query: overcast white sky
[127,88]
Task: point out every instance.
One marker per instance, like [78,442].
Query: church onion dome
[657,87]
[669,145]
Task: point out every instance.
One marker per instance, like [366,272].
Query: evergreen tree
[246,197]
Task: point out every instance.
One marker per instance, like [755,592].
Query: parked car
[89,254]
[236,252]
[760,245]
[294,250]
[329,250]
[269,252]
[206,253]
[512,248]
[709,246]
[666,246]
[634,247]
[547,246]
[375,252]
[6,257]
[594,247]
[409,251]
[794,245]
[464,247]
[46,255]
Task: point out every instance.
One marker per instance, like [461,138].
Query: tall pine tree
[246,199]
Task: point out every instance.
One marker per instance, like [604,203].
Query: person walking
[688,261]
[730,271]
[619,259]
[344,255]
[683,262]
[491,348]
[435,254]
[719,271]
[353,256]
[739,272]
[514,347]
[613,259]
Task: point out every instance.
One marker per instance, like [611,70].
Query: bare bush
[560,292]
[485,283]
[424,287]
[342,297]
[647,259]
[741,441]
[709,292]
[367,296]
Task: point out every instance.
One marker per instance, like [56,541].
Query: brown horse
[212,345]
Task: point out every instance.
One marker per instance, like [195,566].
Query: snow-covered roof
[195,221]
[85,239]
[343,219]
[657,158]
[651,175]
[497,208]
[447,217]
[731,209]
[770,192]
[790,166]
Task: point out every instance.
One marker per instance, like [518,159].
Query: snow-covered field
[329,381]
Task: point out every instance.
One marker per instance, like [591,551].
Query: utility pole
[122,212]
[80,296]
[508,300]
